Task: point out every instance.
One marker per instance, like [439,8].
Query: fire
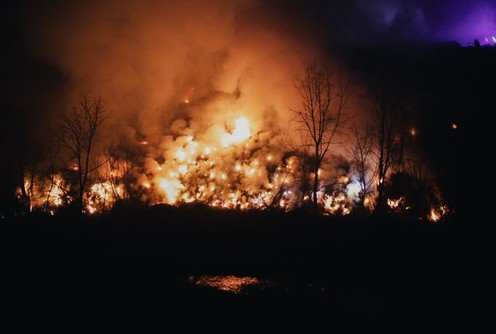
[337,204]
[240,133]
[232,284]
[56,192]
[395,203]
[229,168]
[236,166]
[437,213]
[171,189]
[101,196]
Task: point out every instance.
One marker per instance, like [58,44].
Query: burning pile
[234,166]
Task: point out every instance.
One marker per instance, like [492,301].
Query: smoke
[156,61]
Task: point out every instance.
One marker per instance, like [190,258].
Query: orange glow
[171,189]
[337,204]
[437,213]
[230,283]
[224,168]
[395,203]
[101,196]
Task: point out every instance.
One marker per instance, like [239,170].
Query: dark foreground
[134,271]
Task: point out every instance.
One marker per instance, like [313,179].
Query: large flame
[234,167]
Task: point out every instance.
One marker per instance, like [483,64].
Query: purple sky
[421,20]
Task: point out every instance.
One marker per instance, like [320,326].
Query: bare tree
[297,163]
[359,151]
[387,112]
[79,131]
[123,168]
[28,179]
[324,94]
[53,150]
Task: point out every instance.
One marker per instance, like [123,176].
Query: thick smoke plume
[156,61]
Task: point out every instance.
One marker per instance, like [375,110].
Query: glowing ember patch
[395,203]
[436,214]
[232,284]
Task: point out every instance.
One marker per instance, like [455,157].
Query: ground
[132,272]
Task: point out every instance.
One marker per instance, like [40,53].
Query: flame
[229,169]
[56,191]
[337,204]
[171,188]
[395,203]
[101,196]
[240,133]
[437,213]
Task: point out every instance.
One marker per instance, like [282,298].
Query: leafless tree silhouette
[324,94]
[79,134]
